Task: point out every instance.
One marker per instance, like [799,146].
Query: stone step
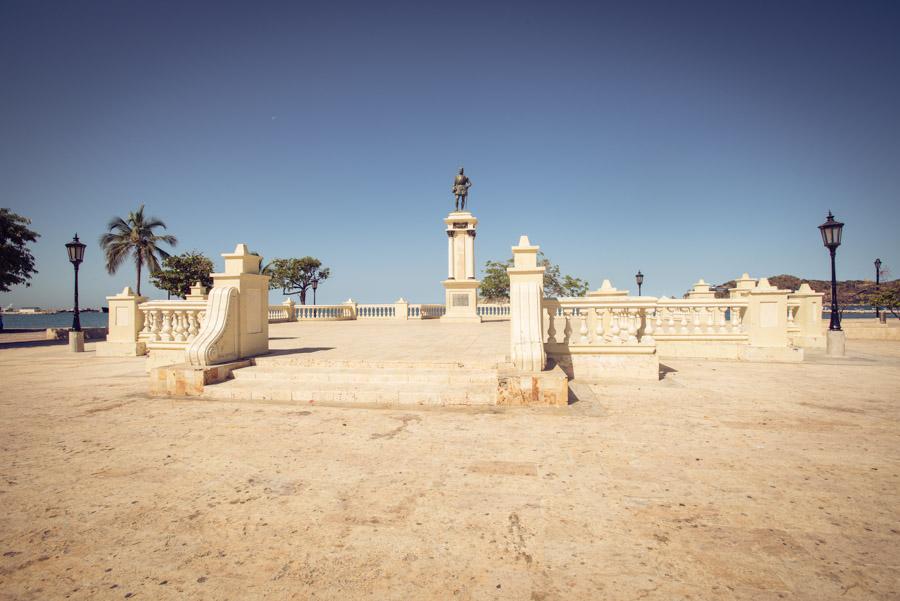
[301,360]
[369,376]
[380,394]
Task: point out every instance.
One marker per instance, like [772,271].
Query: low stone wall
[89,333]
[872,329]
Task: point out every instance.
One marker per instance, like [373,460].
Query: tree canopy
[180,272]
[134,237]
[495,282]
[295,276]
[16,260]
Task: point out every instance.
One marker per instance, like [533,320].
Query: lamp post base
[835,342]
[76,342]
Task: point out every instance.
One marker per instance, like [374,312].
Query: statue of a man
[461,185]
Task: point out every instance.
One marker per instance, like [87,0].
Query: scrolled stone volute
[217,341]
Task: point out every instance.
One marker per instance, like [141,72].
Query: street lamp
[639,278]
[315,286]
[76,256]
[877,282]
[831,238]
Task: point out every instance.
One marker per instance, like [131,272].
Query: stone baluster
[567,327]
[695,318]
[736,319]
[671,321]
[650,315]
[632,325]
[180,328]
[149,324]
[193,325]
[165,333]
[710,320]
[614,325]
[583,330]
[684,321]
[599,314]
[723,329]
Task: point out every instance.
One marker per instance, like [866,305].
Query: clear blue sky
[684,139]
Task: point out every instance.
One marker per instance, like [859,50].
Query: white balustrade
[280,313]
[494,312]
[171,324]
[384,311]
[324,312]
[698,318]
[589,321]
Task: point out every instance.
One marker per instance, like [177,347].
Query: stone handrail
[324,312]
[280,313]
[216,342]
[494,312]
[592,321]
[425,311]
[172,323]
[376,311]
[677,318]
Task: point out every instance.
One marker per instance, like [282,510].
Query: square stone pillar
[401,309]
[526,296]
[461,287]
[809,317]
[125,324]
[766,319]
[242,272]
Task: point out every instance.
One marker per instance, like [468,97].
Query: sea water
[42,321]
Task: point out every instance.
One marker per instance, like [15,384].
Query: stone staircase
[304,381]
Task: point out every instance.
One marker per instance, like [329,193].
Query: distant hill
[850,292]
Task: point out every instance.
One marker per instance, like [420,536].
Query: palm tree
[134,237]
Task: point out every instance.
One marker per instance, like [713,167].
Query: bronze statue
[460,189]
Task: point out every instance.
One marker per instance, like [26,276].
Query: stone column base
[76,342]
[461,301]
[835,343]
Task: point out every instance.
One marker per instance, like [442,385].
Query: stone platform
[375,363]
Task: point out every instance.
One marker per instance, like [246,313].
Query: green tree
[295,276]
[134,237]
[495,280]
[16,260]
[887,298]
[180,272]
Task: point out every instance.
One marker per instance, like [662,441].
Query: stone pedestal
[125,324]
[835,343]
[461,287]
[76,342]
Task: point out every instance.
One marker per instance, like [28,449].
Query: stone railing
[427,311]
[594,337]
[711,318]
[324,312]
[494,312]
[351,310]
[376,311]
[589,321]
[281,313]
[171,324]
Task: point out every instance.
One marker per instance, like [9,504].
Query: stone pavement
[723,481]
[425,341]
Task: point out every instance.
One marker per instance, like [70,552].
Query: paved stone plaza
[725,480]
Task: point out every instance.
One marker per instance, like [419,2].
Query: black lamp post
[76,256]
[877,282]
[639,278]
[315,286]
[831,238]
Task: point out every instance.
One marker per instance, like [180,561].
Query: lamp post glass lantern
[831,237]
[315,286]
[877,282]
[639,278]
[75,248]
